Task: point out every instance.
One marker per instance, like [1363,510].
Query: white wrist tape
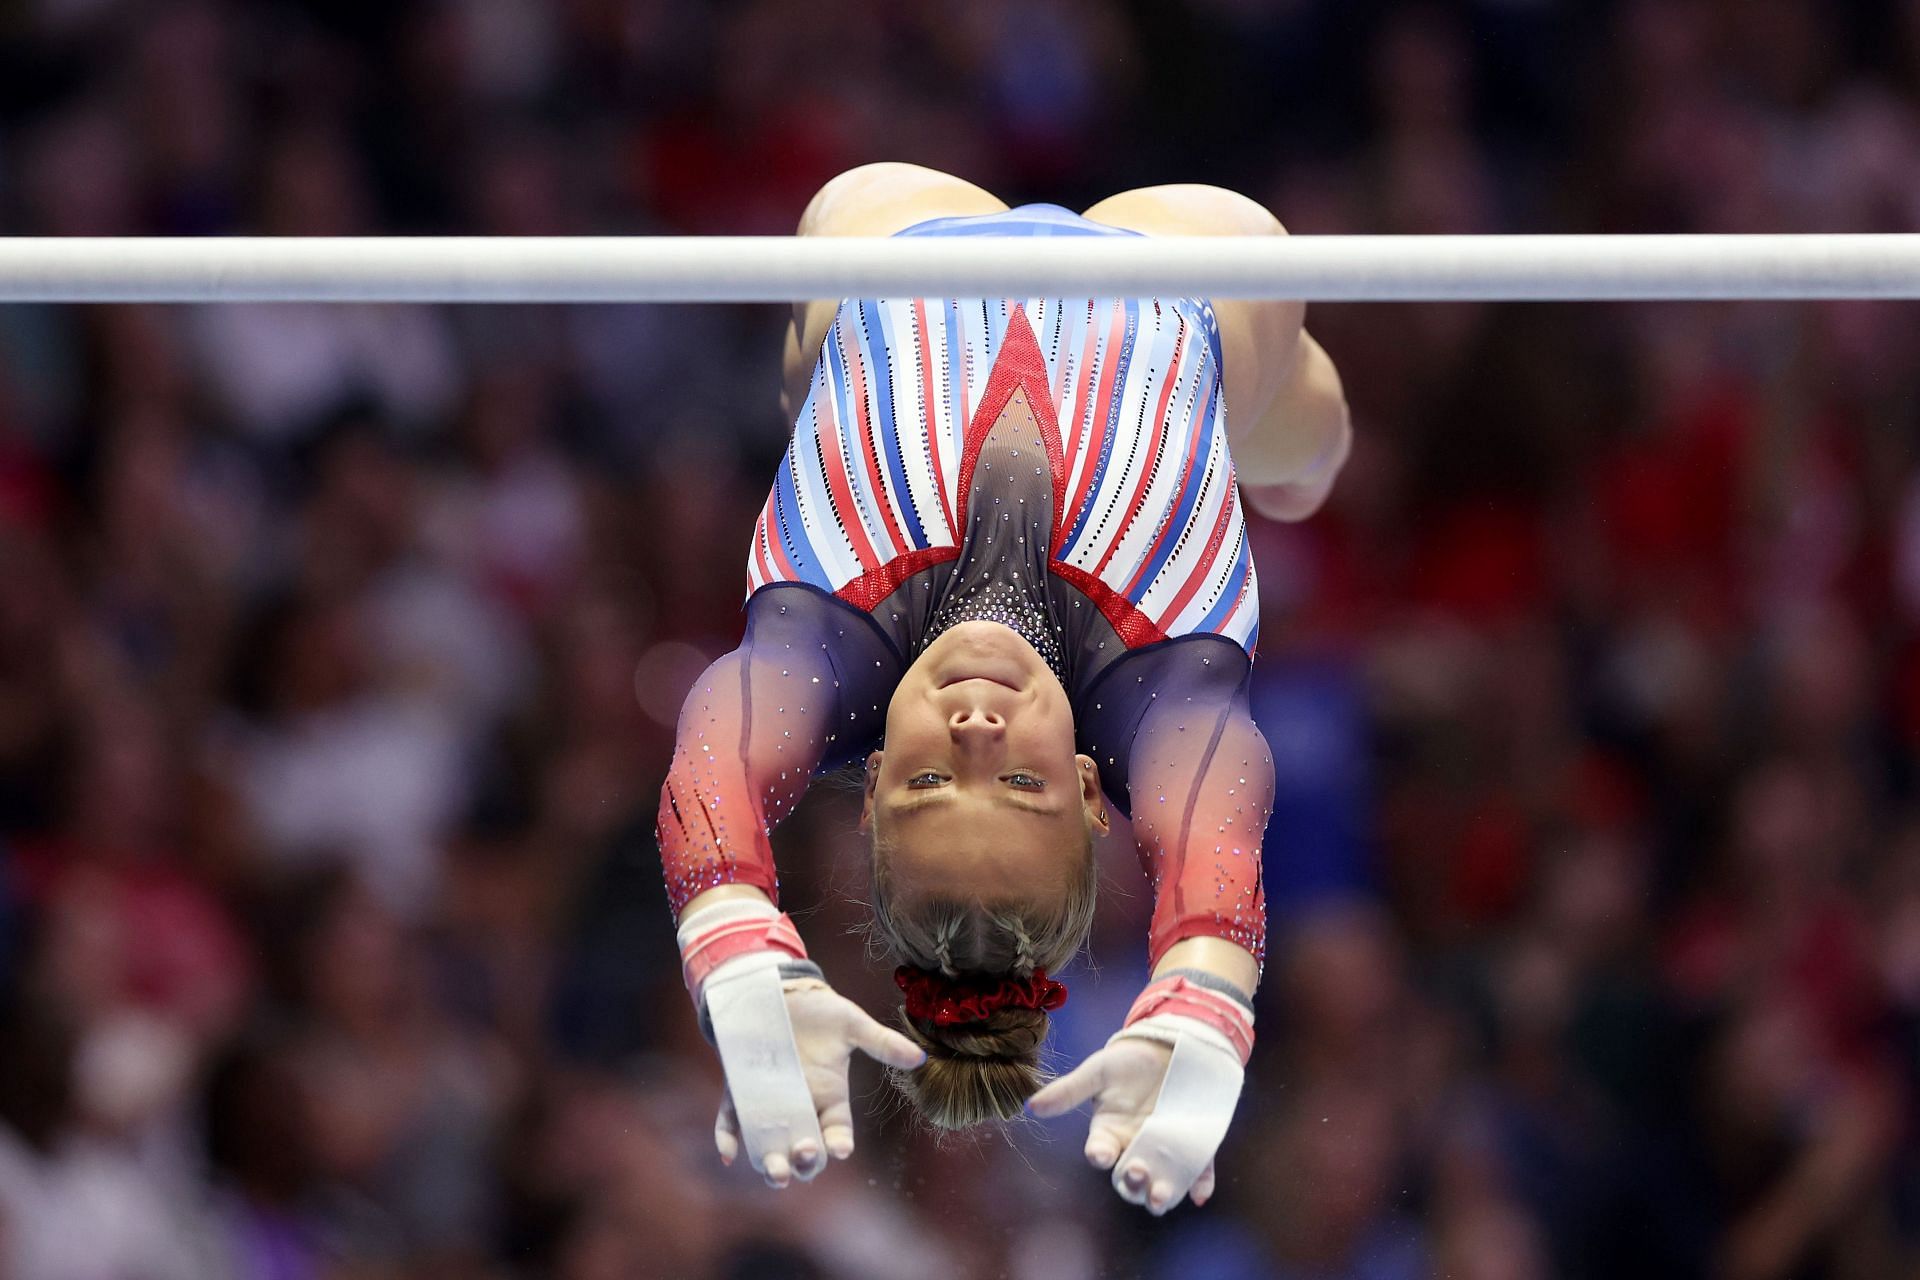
[1197,1001]
[715,934]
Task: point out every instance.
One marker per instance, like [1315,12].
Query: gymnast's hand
[1163,1093]
[785,1038]
[791,1120]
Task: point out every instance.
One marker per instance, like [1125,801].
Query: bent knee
[869,199]
[1187,208]
[853,188]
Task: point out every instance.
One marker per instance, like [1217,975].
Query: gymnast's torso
[1121,398]
[1057,465]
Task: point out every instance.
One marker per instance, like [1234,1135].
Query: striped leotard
[1127,394]
[1059,465]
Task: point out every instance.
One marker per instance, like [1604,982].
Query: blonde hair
[980,1071]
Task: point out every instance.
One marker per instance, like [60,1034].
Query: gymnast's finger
[839,1139]
[836,1121]
[1105,1141]
[1161,1196]
[726,1131]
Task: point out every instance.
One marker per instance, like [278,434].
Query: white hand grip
[1189,1118]
[757,1050]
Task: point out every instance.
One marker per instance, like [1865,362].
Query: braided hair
[980,1071]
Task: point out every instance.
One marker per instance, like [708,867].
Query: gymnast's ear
[1091,798]
[869,780]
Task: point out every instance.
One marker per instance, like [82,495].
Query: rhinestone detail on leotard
[1001,574]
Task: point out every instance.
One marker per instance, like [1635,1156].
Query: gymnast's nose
[976,725]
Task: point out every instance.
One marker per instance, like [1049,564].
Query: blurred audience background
[340,649]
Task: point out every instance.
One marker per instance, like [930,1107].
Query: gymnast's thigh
[871,200]
[1259,340]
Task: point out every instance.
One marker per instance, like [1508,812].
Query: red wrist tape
[1177,995]
[736,938]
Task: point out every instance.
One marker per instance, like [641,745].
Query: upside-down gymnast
[1006,546]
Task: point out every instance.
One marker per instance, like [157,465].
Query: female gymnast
[1006,543]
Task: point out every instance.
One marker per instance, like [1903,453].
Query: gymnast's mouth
[955,680]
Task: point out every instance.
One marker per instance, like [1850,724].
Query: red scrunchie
[945,1002]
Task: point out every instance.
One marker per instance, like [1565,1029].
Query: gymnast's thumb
[1070,1090]
[882,1043]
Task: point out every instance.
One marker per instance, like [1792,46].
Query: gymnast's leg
[1286,411]
[872,200]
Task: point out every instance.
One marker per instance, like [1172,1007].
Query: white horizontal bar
[781,268]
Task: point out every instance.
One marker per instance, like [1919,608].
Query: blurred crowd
[340,649]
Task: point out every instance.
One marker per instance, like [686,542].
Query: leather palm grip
[1189,1120]
[765,1077]
[1209,1026]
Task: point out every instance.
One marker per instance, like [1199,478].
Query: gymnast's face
[979,793]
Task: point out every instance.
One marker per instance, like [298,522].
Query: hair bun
[1006,1033]
[975,1071]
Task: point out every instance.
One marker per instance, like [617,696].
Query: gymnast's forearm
[1198,822]
[733,776]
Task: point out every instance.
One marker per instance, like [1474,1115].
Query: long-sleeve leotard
[802,693]
[807,691]
[1105,421]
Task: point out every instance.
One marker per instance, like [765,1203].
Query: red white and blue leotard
[1128,394]
[1064,459]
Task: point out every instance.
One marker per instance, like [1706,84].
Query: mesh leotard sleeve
[1171,730]
[806,690]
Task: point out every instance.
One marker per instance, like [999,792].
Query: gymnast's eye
[925,778]
[1027,781]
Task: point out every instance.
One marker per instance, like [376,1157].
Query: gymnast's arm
[796,695]
[1200,785]
[752,732]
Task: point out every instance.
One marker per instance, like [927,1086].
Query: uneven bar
[782,268]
